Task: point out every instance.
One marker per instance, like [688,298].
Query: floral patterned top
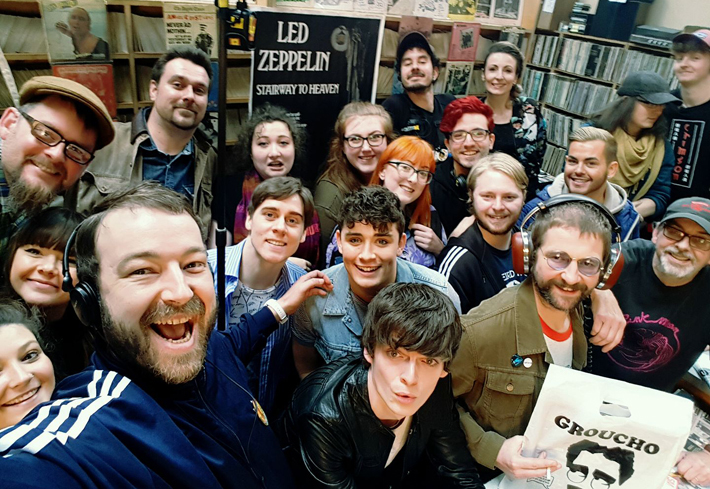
[524,138]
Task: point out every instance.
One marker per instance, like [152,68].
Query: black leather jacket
[335,440]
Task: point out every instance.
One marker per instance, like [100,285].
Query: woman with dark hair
[406,168]
[520,130]
[645,158]
[26,373]
[362,132]
[34,274]
[268,145]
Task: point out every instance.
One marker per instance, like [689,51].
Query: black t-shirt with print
[666,327]
[690,137]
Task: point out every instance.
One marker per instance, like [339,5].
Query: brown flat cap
[41,86]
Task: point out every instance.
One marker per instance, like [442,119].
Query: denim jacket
[331,324]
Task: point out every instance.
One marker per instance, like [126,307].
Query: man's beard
[133,346]
[183,126]
[418,87]
[663,265]
[26,199]
[484,225]
[545,288]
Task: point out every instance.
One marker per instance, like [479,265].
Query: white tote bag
[605,433]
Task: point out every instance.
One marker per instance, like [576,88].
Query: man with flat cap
[45,146]
[417,111]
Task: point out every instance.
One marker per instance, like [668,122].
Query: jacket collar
[529,337]
[339,303]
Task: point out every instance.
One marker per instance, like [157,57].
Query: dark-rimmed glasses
[559,260]
[46,135]
[675,234]
[406,170]
[476,135]
[357,141]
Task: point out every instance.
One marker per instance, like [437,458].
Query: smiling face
[691,68]
[677,263]
[408,189]
[272,149]
[468,152]
[277,228]
[586,169]
[497,202]
[180,96]
[499,74]
[564,289]
[36,276]
[364,159]
[33,169]
[26,374]
[370,257]
[417,71]
[400,381]
[158,299]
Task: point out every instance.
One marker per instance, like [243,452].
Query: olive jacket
[495,398]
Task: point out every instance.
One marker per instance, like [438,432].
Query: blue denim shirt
[175,172]
[331,324]
[272,362]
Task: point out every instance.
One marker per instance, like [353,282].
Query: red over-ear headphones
[521,243]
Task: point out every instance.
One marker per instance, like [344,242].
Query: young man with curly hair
[370,239]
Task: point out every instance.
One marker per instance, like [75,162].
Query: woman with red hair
[406,168]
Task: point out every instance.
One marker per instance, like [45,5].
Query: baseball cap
[701,36]
[40,86]
[647,86]
[415,39]
[697,209]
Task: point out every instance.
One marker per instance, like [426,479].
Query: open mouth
[175,331]
[24,397]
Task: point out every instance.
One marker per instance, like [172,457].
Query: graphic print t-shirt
[666,327]
[690,138]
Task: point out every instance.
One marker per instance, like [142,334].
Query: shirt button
[509,387]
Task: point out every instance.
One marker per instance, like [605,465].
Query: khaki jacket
[120,164]
[499,398]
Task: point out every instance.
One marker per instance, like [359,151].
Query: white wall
[675,14]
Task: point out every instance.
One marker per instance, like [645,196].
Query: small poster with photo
[464,41]
[436,9]
[76,30]
[371,6]
[507,12]
[462,9]
[190,24]
[458,78]
[400,7]
[483,9]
